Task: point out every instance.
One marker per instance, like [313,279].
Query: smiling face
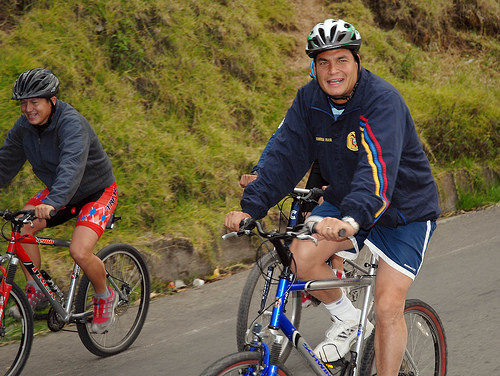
[37,110]
[337,73]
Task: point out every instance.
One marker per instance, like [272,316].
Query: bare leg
[32,249]
[337,262]
[391,288]
[82,250]
[310,264]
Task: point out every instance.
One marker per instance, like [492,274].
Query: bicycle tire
[16,333]
[240,363]
[250,305]
[126,266]
[426,345]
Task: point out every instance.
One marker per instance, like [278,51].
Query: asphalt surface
[186,332]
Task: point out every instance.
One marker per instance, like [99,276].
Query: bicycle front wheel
[250,302]
[16,332]
[127,273]
[241,363]
[426,350]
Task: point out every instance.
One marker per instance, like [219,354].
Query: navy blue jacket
[371,156]
[67,156]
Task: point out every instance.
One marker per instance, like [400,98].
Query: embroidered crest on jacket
[351,142]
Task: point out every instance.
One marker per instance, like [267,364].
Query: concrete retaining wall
[177,259]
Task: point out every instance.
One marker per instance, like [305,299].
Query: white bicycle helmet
[332,34]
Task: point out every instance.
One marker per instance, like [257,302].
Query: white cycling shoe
[339,338]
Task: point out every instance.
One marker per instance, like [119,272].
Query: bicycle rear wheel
[241,363]
[426,350]
[250,304]
[16,333]
[128,272]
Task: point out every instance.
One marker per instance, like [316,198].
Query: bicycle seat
[111,222]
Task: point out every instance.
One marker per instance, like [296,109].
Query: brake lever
[307,237]
[237,234]
[229,235]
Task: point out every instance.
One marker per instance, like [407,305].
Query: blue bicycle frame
[280,321]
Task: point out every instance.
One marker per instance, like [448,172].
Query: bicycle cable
[2,230]
[287,292]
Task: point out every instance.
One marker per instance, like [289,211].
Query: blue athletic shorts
[402,247]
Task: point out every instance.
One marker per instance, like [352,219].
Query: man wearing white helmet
[381,192]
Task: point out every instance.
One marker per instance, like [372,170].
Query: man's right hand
[233,220]
[247,179]
[43,211]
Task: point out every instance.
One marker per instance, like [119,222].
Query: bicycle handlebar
[247,226]
[307,195]
[21,216]
[250,224]
[13,216]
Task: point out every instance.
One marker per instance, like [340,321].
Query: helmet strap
[53,107]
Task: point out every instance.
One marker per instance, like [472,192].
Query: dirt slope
[311,12]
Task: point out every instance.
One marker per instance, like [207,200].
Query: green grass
[474,200]
[185,94]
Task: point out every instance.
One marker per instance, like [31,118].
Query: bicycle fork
[267,286]
[7,280]
[5,287]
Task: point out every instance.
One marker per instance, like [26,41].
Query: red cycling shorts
[94,211]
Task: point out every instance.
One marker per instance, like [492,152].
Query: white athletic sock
[342,309]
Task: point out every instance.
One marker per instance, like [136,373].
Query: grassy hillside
[184,94]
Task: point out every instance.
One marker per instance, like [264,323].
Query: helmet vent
[322,34]
[333,30]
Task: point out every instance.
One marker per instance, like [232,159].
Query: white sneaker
[339,338]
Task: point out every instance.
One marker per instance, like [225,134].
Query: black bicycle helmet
[332,34]
[35,83]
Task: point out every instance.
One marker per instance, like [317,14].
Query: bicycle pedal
[339,362]
[40,316]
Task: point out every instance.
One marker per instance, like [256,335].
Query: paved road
[187,331]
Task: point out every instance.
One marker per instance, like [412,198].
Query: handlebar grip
[312,229]
[52,213]
[247,224]
[311,226]
[316,192]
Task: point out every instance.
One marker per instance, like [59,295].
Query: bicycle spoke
[128,273]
